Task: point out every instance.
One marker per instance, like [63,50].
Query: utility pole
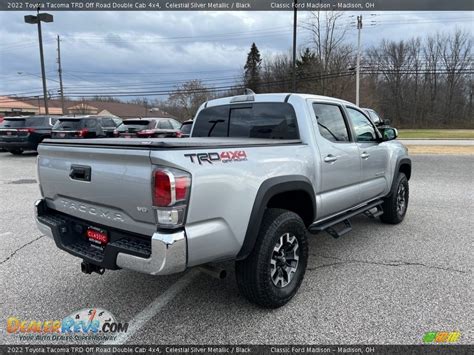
[294,42]
[43,17]
[60,72]
[359,28]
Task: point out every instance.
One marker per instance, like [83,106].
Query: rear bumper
[163,254]
[20,144]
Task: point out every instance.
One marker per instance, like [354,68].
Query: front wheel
[272,274]
[16,151]
[395,206]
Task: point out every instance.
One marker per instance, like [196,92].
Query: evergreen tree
[252,69]
[305,63]
[306,69]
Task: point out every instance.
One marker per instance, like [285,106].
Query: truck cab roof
[279,97]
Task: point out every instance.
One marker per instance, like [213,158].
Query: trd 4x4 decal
[223,157]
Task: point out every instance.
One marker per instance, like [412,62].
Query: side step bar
[344,218]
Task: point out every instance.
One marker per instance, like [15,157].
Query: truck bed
[173,143]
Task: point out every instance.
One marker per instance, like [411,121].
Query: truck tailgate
[119,191]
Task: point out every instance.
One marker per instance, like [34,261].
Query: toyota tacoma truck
[259,174]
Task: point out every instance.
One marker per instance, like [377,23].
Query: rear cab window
[270,120]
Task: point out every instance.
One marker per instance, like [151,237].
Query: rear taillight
[146,132]
[116,133]
[82,133]
[171,188]
[29,130]
[179,134]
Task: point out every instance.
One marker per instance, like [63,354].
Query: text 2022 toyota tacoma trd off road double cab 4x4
[258,173]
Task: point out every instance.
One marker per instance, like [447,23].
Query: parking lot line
[137,322]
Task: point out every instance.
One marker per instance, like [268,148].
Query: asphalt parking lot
[378,285]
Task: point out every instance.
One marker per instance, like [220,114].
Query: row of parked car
[18,134]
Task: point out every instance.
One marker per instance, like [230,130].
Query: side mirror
[389,133]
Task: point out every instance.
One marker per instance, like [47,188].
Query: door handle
[330,158]
[80,172]
[365,155]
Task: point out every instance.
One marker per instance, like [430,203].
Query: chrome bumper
[168,256]
[168,251]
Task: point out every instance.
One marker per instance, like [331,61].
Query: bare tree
[455,56]
[186,99]
[327,39]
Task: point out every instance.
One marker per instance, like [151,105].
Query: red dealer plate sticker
[97,236]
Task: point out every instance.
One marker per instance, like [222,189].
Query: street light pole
[37,20]
[294,42]
[359,28]
[43,72]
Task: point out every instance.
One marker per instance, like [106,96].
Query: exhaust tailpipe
[215,272]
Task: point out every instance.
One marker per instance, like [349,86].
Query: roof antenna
[248,91]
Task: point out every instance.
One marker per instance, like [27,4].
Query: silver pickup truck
[258,173]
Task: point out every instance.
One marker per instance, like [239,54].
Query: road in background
[463,142]
[380,284]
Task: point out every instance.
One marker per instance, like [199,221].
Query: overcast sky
[102,51]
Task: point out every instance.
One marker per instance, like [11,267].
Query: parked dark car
[109,124]
[84,127]
[18,134]
[149,128]
[186,128]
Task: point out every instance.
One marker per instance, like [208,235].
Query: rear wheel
[395,206]
[16,151]
[272,274]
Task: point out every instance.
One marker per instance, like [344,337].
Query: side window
[108,122]
[90,123]
[212,122]
[331,122]
[175,124]
[164,124]
[364,130]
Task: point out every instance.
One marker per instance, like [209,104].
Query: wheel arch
[291,192]
[404,166]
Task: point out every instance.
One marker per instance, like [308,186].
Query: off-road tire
[254,274]
[391,211]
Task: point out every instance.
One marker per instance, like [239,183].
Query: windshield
[373,115]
